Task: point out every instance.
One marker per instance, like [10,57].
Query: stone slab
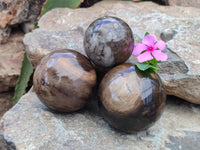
[30,125]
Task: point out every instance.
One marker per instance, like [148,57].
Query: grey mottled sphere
[108,42]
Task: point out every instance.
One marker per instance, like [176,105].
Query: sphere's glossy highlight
[108,42]
[64,80]
[131,101]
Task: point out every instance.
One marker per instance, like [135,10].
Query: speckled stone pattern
[108,42]
[64,80]
[130,100]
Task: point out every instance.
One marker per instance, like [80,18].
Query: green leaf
[25,74]
[142,66]
[36,25]
[146,33]
[153,67]
[145,66]
[51,4]
[153,62]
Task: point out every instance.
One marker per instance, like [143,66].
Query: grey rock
[6,102]
[178,26]
[11,57]
[189,141]
[4,145]
[15,12]
[168,34]
[31,125]
[185,44]
[186,3]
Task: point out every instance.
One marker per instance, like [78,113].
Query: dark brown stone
[64,80]
[6,102]
[108,42]
[129,99]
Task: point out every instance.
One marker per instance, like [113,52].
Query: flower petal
[160,45]
[159,56]
[139,48]
[149,40]
[144,57]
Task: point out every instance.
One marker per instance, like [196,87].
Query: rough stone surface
[10,61]
[5,102]
[15,12]
[178,26]
[30,125]
[187,3]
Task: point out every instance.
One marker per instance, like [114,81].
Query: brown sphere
[108,42]
[130,100]
[63,80]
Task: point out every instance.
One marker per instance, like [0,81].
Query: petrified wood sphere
[63,80]
[130,100]
[108,42]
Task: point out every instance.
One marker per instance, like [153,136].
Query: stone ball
[64,80]
[108,42]
[130,100]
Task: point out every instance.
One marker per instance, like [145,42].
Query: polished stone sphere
[64,80]
[108,42]
[131,100]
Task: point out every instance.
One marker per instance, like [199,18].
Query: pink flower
[150,48]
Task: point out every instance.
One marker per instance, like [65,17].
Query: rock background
[178,26]
[15,16]
[18,12]
[11,57]
[30,125]
[5,102]
[186,3]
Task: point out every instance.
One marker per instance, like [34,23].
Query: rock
[15,12]
[4,145]
[5,102]
[179,26]
[190,3]
[30,125]
[185,44]
[11,57]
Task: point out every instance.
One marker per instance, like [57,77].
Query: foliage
[51,4]
[25,74]
[149,53]
[150,65]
